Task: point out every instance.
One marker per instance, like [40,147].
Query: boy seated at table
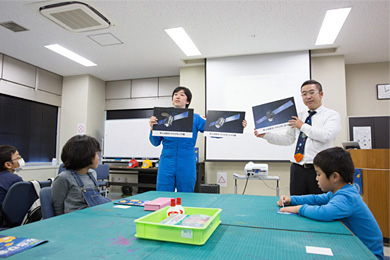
[342,202]
[76,187]
[10,163]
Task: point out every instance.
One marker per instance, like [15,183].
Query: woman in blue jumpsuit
[177,167]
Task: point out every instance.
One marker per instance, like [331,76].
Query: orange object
[298,157]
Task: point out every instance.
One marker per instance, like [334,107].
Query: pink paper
[157,204]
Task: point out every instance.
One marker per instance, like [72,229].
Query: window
[29,126]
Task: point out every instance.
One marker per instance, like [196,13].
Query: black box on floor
[200,176]
[209,188]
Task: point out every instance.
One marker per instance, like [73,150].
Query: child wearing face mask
[10,162]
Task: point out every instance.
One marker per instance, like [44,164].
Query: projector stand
[268,178]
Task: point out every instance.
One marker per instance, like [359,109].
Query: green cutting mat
[95,236]
[238,210]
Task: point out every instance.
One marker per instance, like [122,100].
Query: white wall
[330,72]
[82,103]
[39,173]
[74,107]
[361,89]
[96,104]
[194,79]
[83,98]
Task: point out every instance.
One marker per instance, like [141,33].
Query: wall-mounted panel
[49,82]
[19,72]
[138,103]
[142,88]
[167,85]
[118,89]
[16,90]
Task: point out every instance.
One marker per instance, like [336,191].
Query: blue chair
[16,204]
[46,203]
[103,172]
[47,183]
[61,168]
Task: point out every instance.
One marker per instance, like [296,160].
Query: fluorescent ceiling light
[181,38]
[70,55]
[331,26]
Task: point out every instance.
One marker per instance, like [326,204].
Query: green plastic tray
[149,227]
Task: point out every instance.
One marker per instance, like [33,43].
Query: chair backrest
[46,203]
[102,171]
[61,168]
[47,183]
[17,202]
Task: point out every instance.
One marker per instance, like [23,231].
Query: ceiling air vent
[13,26]
[75,16]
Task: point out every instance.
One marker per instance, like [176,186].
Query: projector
[256,170]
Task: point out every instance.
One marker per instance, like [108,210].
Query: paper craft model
[271,114]
[168,121]
[220,121]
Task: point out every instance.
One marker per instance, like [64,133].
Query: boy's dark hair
[186,91]
[336,159]
[6,152]
[312,81]
[79,152]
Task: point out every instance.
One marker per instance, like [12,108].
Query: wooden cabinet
[376,181]
[147,177]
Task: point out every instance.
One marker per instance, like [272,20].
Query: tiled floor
[386,250]
[115,196]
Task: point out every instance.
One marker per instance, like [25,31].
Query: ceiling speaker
[75,16]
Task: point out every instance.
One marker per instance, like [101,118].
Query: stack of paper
[157,204]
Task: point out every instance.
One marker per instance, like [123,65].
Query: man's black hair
[336,159]
[186,91]
[312,81]
[79,152]
[6,152]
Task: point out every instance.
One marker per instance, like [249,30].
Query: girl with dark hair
[76,187]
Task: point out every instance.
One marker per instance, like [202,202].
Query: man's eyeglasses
[309,93]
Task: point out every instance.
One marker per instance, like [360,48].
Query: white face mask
[21,165]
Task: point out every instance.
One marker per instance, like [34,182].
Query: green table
[105,232]
[237,210]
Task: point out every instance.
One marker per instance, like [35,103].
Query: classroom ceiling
[218,28]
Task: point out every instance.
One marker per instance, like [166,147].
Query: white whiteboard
[128,138]
[241,82]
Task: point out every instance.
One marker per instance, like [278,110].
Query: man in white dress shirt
[318,128]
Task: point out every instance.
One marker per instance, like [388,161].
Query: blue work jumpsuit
[177,167]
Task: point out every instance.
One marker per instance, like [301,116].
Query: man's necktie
[299,150]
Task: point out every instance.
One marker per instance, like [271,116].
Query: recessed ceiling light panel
[75,16]
[70,55]
[181,38]
[331,25]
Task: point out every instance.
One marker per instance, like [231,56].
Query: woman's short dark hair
[186,91]
[336,159]
[79,152]
[6,152]
[312,81]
